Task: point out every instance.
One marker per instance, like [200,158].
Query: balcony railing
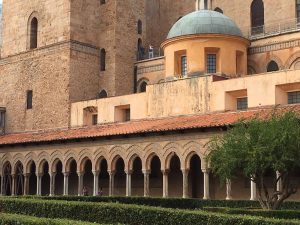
[144,54]
[281,27]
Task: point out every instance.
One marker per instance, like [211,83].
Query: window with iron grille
[95,119]
[183,65]
[211,63]
[294,97]
[242,103]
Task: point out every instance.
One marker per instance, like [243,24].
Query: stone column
[26,183]
[206,195]
[111,182]
[13,185]
[209,4]
[185,183]
[66,183]
[202,4]
[52,183]
[39,183]
[228,190]
[165,184]
[146,183]
[80,183]
[253,191]
[128,183]
[96,182]
[2,185]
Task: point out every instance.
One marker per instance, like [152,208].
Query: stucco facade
[119,114]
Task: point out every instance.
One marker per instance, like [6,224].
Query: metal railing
[144,54]
[272,29]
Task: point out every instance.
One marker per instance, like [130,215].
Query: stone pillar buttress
[66,183]
[185,183]
[80,183]
[26,183]
[206,194]
[228,190]
[165,184]
[128,183]
[13,185]
[39,183]
[253,191]
[111,182]
[52,183]
[146,183]
[96,183]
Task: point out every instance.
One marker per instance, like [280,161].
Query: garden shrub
[14,219]
[128,214]
[279,214]
[178,203]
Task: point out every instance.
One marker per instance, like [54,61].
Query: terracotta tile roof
[140,126]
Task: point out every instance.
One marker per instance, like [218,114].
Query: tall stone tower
[45,64]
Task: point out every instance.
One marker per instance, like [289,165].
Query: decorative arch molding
[55,157]
[275,59]
[167,160]
[134,149]
[292,59]
[53,165]
[69,156]
[188,157]
[6,157]
[117,150]
[16,159]
[131,160]
[28,165]
[152,147]
[171,147]
[99,155]
[41,165]
[43,156]
[113,162]
[30,157]
[148,159]
[140,82]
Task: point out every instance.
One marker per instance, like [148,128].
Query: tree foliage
[256,146]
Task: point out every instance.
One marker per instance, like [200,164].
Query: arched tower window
[272,66]
[102,60]
[140,27]
[143,86]
[257,16]
[103,94]
[33,33]
[219,10]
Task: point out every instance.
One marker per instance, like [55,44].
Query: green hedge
[178,203]
[128,214]
[279,214]
[14,219]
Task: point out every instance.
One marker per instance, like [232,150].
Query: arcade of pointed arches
[180,171]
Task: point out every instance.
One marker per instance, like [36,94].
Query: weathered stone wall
[44,72]
[53,23]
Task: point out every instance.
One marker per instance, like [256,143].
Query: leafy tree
[255,146]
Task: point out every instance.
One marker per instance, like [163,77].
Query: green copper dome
[204,22]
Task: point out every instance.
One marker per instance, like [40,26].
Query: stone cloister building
[97,96]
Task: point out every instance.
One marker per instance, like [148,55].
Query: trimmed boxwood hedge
[178,203]
[279,214]
[14,219]
[128,214]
